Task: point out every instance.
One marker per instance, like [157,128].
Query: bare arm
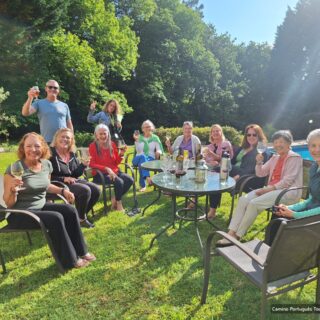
[27,108]
[11,185]
[70,125]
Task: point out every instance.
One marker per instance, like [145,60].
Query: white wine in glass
[84,154]
[37,92]
[261,147]
[17,171]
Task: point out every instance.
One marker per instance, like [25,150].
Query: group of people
[59,162]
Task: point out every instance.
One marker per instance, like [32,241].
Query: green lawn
[127,281]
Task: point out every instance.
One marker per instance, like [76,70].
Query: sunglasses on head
[251,134]
[53,87]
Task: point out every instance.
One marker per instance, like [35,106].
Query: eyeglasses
[251,134]
[53,88]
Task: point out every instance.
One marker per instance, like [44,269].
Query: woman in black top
[67,169]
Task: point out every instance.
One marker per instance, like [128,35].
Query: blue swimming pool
[303,151]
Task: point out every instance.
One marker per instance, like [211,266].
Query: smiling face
[281,146]
[52,89]
[111,107]
[64,141]
[32,148]
[314,148]
[147,129]
[252,137]
[216,133]
[102,135]
[187,131]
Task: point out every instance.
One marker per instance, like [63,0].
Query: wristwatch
[62,190]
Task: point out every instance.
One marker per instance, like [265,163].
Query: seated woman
[105,157]
[310,206]
[244,160]
[148,147]
[111,116]
[60,219]
[187,141]
[67,169]
[284,170]
[212,155]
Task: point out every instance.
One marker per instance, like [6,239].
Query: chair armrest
[242,247]
[130,168]
[126,158]
[60,184]
[244,180]
[284,191]
[22,212]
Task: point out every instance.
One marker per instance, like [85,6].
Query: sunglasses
[251,134]
[53,88]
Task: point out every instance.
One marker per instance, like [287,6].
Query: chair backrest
[306,167]
[295,248]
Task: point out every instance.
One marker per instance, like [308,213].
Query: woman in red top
[105,157]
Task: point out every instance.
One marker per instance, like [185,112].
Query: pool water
[303,151]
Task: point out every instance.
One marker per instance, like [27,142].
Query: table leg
[172,224]
[153,202]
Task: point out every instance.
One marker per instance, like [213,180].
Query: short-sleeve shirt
[36,184]
[52,116]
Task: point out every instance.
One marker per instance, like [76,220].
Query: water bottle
[224,167]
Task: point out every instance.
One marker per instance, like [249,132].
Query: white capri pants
[250,205]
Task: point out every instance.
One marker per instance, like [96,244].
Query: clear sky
[247,20]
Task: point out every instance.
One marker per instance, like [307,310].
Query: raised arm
[27,108]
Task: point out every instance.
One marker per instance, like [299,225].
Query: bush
[83,139]
[231,134]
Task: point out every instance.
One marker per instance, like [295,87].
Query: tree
[294,74]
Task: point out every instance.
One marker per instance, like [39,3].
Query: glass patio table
[186,186]
[155,166]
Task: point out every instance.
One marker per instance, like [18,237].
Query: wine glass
[17,171]
[84,155]
[37,92]
[168,136]
[261,147]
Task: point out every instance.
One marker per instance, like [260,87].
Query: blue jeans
[137,161]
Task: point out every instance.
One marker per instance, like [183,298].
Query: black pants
[62,222]
[122,183]
[86,196]
[214,200]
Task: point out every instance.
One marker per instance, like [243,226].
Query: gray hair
[284,134]
[188,123]
[106,128]
[52,80]
[313,134]
[148,122]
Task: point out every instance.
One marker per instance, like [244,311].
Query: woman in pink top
[218,143]
[284,170]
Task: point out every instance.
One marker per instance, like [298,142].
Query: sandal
[224,243]
[81,263]
[89,257]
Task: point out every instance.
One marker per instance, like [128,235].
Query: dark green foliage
[83,139]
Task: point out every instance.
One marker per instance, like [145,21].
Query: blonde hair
[45,150]
[218,127]
[117,109]
[72,146]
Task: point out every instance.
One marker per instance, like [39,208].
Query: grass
[127,281]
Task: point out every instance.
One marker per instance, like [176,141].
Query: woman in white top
[148,147]
[187,141]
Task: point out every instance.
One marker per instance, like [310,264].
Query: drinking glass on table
[17,170]
[261,147]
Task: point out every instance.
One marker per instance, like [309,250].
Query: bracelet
[62,190]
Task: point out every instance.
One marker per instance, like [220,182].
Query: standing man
[52,113]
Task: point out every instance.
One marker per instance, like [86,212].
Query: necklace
[64,157]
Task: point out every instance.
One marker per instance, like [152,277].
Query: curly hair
[117,109]
[45,150]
